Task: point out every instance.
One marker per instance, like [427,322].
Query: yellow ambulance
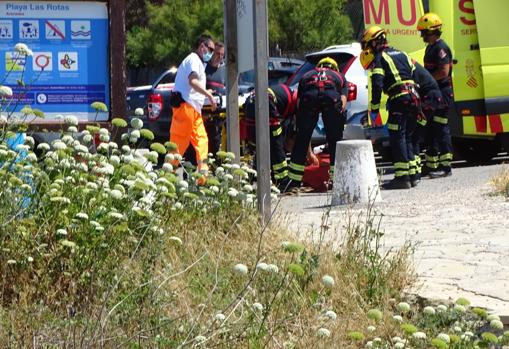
[477,34]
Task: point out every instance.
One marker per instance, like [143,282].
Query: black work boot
[398,183]
[415,179]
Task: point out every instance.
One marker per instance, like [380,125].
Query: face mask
[207,56]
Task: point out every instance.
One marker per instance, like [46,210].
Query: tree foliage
[168,32]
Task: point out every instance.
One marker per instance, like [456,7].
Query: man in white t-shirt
[187,123]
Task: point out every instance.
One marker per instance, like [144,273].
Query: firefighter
[282,102]
[392,74]
[431,98]
[438,61]
[321,90]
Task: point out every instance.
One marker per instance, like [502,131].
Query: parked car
[347,57]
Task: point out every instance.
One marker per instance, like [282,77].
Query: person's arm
[344,94]
[195,84]
[442,72]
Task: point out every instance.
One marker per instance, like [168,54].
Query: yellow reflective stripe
[393,127]
[295,176]
[397,83]
[279,166]
[400,173]
[422,122]
[401,165]
[379,71]
[297,167]
[412,171]
[446,156]
[272,94]
[417,160]
[277,131]
[412,65]
[440,120]
[281,175]
[374,106]
[392,66]
[431,158]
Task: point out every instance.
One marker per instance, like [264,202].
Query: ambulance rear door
[493,32]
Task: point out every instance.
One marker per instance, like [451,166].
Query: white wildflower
[262,266]
[137,124]
[257,306]
[59,145]
[102,148]
[441,308]
[331,315]
[81,149]
[200,339]
[457,329]
[167,167]
[71,120]
[496,324]
[5,91]
[116,194]
[233,192]
[371,328]
[403,307]
[61,232]
[178,206]
[104,137]
[135,133]
[219,317]
[116,215]
[397,318]
[429,310]
[493,317]
[22,49]
[248,188]
[323,332]
[228,177]
[87,139]
[82,215]
[30,259]
[328,281]
[183,184]
[240,269]
[399,345]
[22,147]
[114,160]
[369,344]
[444,337]
[419,335]
[139,112]
[72,129]
[273,268]
[31,157]
[11,261]
[459,309]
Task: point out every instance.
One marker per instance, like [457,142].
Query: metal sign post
[262,109]
[232,87]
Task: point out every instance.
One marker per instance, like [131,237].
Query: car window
[342,58]
[168,78]
[299,73]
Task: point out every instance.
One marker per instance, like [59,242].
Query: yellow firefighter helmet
[371,34]
[430,21]
[367,57]
[328,63]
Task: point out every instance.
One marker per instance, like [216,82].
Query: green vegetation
[168,30]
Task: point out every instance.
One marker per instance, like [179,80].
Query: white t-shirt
[192,63]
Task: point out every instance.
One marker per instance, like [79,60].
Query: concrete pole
[260,24]
[232,73]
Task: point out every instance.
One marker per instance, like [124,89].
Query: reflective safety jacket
[391,73]
[424,80]
[284,101]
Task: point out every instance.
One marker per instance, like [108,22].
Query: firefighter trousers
[438,142]
[187,127]
[307,118]
[401,125]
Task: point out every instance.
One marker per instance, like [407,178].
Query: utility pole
[117,60]
[260,24]
[232,73]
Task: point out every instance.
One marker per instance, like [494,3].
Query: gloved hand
[374,116]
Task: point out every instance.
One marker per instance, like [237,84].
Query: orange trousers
[187,127]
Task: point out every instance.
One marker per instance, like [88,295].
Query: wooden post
[232,87]
[262,109]
[118,91]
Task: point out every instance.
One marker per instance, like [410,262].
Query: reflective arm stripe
[397,83]
[374,107]
[277,131]
[393,127]
[440,120]
[279,166]
[392,66]
[378,71]
[297,167]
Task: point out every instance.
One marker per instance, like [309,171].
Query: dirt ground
[460,229]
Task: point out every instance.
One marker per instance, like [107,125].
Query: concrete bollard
[355,176]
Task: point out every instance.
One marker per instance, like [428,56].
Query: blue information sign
[69,68]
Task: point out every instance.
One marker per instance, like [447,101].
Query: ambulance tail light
[352,92]
[155,106]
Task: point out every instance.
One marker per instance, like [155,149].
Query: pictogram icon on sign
[6,30]
[55,29]
[29,29]
[68,61]
[42,61]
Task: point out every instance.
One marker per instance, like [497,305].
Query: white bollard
[355,176]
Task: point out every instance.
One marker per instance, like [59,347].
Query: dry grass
[500,182]
[170,293]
